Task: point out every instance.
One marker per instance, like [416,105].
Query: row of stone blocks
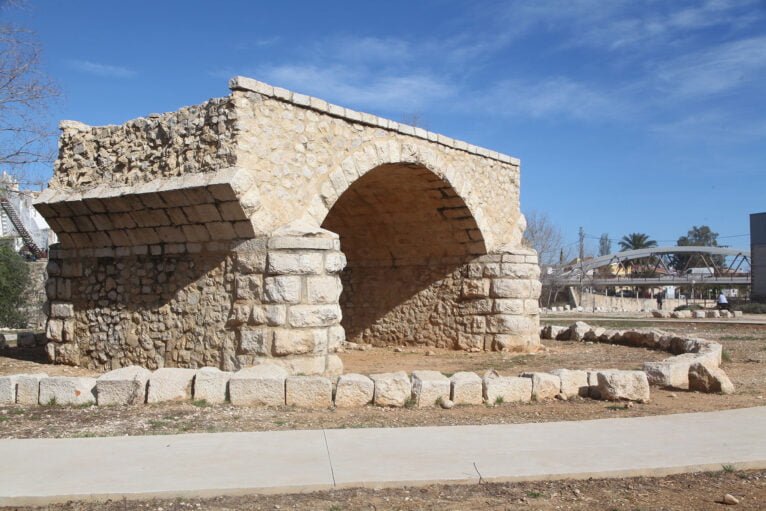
[695,366]
[698,314]
[270,385]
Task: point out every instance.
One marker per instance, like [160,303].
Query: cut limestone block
[28,388]
[308,391]
[211,384]
[8,390]
[573,382]
[429,387]
[736,314]
[170,384]
[67,390]
[391,389]
[578,330]
[354,390]
[623,385]
[506,389]
[712,314]
[124,386]
[698,314]
[262,385]
[703,378]
[544,385]
[552,331]
[724,314]
[668,373]
[466,388]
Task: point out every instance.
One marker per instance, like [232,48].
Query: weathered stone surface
[211,385]
[67,390]
[573,382]
[28,388]
[7,390]
[552,331]
[703,378]
[712,314]
[391,389]
[668,373]
[682,314]
[544,385]
[506,389]
[593,391]
[429,387]
[308,391]
[698,314]
[623,386]
[170,384]
[262,385]
[354,390]
[124,386]
[578,330]
[466,388]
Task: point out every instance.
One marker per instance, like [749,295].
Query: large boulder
[124,386]
[668,373]
[466,388]
[211,384]
[573,382]
[544,385]
[170,384]
[429,388]
[623,386]
[576,332]
[392,389]
[67,390]
[262,385]
[308,391]
[506,389]
[552,331]
[354,390]
[703,378]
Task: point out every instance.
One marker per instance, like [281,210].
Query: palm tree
[636,240]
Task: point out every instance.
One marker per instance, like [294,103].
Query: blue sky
[627,116]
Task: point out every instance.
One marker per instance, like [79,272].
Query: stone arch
[371,156]
[407,236]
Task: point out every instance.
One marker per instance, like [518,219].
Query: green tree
[604,245]
[14,280]
[635,241]
[701,236]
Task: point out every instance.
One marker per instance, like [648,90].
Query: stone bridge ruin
[270,224]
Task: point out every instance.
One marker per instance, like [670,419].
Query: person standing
[660,299]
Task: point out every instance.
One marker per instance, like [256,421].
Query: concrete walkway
[39,471]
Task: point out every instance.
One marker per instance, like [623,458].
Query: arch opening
[407,236]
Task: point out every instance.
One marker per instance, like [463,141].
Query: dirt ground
[699,492]
[745,347]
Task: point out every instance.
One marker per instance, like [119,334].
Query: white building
[21,203]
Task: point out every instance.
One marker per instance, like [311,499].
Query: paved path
[626,319]
[38,471]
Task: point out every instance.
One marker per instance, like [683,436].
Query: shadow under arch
[407,235]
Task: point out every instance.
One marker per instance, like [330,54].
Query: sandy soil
[701,491]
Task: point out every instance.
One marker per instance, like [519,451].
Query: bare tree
[25,99]
[545,237]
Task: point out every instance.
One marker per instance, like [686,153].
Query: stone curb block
[67,390]
[124,386]
[170,384]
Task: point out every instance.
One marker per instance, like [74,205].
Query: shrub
[752,308]
[689,307]
[14,280]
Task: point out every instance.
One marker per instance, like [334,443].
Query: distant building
[758,255]
[20,202]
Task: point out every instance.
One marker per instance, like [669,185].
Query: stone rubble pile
[694,366]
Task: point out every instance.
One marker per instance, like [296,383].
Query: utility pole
[582,257]
[582,243]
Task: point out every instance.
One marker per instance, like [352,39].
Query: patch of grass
[51,402]
[85,434]
[200,403]
[4,418]
[617,407]
[335,508]
[499,400]
[729,469]
[156,423]
[726,356]
[280,423]
[85,405]
[410,403]
[534,494]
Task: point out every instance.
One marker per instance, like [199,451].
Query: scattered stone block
[552,332]
[737,314]
[466,388]
[594,334]
[211,385]
[709,379]
[593,385]
[170,384]
[354,390]
[578,330]
[308,391]
[573,382]
[67,390]
[724,314]
[698,314]
[28,388]
[682,314]
[668,373]
[623,386]
[391,389]
[429,387]
[508,389]
[262,385]
[7,390]
[712,314]
[124,386]
[544,385]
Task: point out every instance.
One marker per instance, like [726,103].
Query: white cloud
[713,126]
[99,69]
